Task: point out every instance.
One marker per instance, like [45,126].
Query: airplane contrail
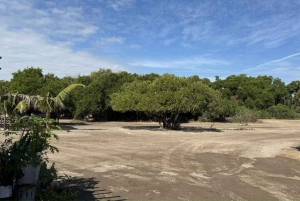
[277,60]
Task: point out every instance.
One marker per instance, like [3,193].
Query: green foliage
[92,100]
[255,93]
[293,87]
[8,169]
[47,176]
[29,81]
[53,194]
[166,97]
[27,143]
[46,104]
[4,87]
[149,77]
[8,103]
[258,93]
[34,141]
[52,85]
[95,99]
[47,191]
[282,112]
[244,115]
[11,102]
[262,114]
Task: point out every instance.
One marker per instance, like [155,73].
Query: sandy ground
[138,161]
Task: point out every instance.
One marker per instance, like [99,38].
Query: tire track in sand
[195,177]
[167,156]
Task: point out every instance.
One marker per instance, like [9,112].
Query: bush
[48,191]
[282,112]
[262,114]
[30,149]
[244,115]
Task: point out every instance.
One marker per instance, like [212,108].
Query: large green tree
[95,99]
[51,84]
[166,98]
[28,81]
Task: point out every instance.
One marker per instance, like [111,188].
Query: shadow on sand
[199,129]
[298,148]
[183,129]
[88,189]
[75,126]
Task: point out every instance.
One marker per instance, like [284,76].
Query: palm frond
[23,106]
[24,102]
[65,92]
[44,103]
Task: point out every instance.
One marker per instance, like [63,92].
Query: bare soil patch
[138,161]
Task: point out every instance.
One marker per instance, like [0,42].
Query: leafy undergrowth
[52,187]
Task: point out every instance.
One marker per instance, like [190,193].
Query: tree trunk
[171,122]
[4,123]
[57,117]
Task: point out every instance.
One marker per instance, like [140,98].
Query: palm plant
[50,104]
[10,101]
[46,104]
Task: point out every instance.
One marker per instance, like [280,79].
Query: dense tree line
[123,96]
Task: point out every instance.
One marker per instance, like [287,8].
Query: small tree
[166,98]
[244,116]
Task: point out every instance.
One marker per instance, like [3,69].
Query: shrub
[262,114]
[244,115]
[47,191]
[282,112]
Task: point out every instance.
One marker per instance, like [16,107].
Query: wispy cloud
[120,4]
[286,68]
[40,33]
[31,36]
[273,31]
[66,23]
[169,41]
[276,61]
[135,46]
[225,23]
[112,40]
[34,50]
[191,63]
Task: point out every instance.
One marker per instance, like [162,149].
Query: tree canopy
[166,98]
[154,96]
[29,81]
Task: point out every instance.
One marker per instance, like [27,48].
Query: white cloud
[191,63]
[286,68]
[40,33]
[273,31]
[276,62]
[26,48]
[44,38]
[113,40]
[69,23]
[120,4]
[269,24]
[135,46]
[169,41]
[105,42]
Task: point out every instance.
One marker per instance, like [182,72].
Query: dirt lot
[138,161]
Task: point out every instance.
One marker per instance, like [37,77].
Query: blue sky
[183,37]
